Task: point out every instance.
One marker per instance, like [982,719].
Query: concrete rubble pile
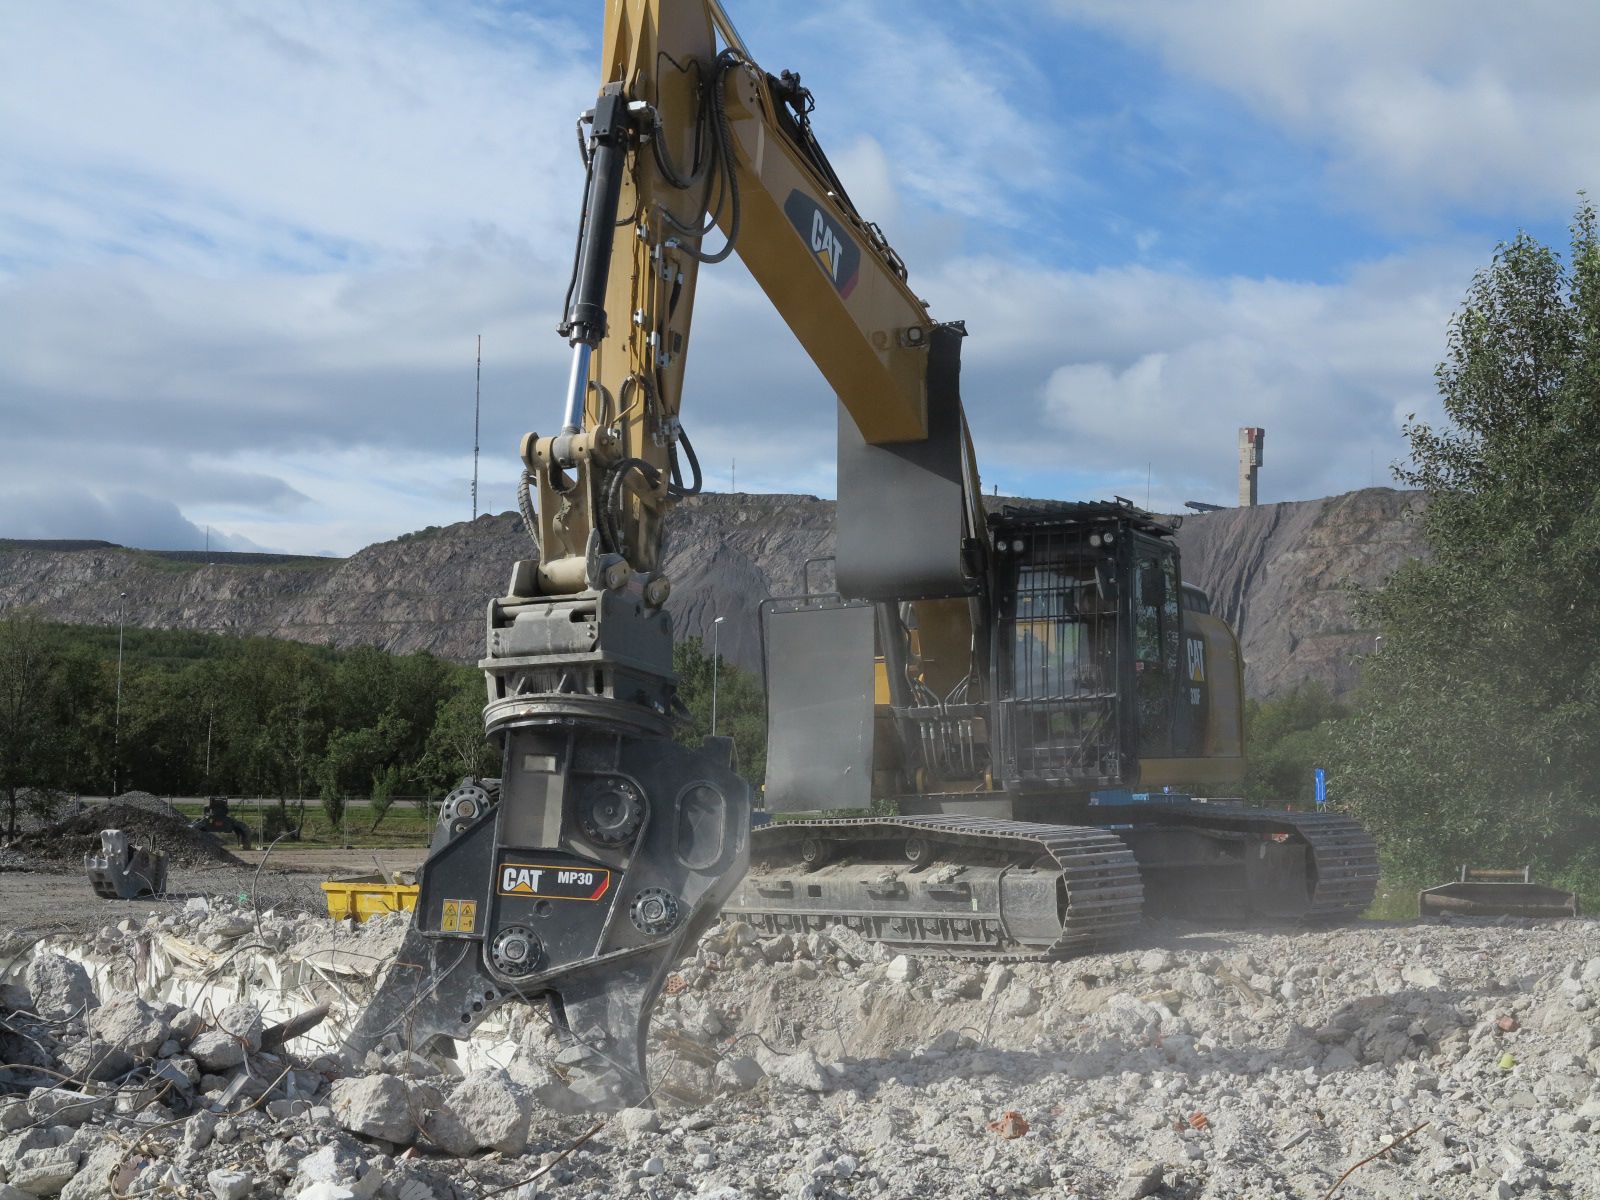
[197,1055]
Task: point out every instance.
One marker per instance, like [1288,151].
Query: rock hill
[1281,573]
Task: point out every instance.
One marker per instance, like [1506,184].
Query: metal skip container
[1489,893]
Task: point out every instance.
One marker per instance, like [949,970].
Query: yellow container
[368,896]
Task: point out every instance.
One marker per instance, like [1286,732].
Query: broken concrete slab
[64,1106]
[242,1021]
[228,1184]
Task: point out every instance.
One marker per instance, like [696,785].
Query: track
[1028,891]
[971,887]
[1344,857]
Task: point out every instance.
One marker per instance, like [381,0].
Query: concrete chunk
[93,1178]
[198,1131]
[740,1074]
[1020,1001]
[995,980]
[803,1069]
[849,945]
[902,969]
[634,1122]
[45,1172]
[127,1022]
[63,1106]
[338,1162]
[216,1051]
[230,1185]
[378,1106]
[1154,962]
[243,1021]
[60,987]
[1142,1178]
[444,1129]
[493,1110]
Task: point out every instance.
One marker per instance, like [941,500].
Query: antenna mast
[477,408]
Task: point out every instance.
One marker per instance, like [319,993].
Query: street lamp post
[116,731]
[716,635]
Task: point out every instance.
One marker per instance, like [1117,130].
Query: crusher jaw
[579,878]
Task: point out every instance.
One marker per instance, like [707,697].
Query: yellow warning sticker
[459,916]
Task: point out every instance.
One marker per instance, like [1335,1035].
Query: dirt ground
[41,902]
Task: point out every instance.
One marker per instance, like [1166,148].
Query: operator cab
[1087,648]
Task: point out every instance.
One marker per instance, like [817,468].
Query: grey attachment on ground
[122,871]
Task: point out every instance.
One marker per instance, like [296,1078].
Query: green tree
[1477,734]
[33,746]
[456,746]
[741,707]
[274,721]
[356,757]
[1287,739]
[386,784]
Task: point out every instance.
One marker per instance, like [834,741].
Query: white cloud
[903,74]
[1485,106]
[65,509]
[205,134]
[315,412]
[1075,381]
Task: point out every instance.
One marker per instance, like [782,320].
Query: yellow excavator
[1050,715]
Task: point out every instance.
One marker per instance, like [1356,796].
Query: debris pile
[198,1052]
[152,823]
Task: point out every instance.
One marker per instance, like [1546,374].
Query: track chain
[1344,856]
[1104,892]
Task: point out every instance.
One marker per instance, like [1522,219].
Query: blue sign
[1322,788]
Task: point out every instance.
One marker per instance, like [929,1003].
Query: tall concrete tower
[1251,440]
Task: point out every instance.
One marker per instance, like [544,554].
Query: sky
[246,250]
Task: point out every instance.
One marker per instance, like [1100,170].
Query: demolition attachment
[579,878]
[123,871]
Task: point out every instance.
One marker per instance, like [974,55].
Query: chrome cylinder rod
[577,389]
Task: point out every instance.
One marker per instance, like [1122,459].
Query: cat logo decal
[832,248]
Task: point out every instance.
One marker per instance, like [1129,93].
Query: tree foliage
[1288,739]
[1477,734]
[206,714]
[33,720]
[741,707]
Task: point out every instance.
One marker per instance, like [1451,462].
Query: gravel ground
[1241,1064]
[42,898]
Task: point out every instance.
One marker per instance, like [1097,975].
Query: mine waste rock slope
[1281,573]
[193,1051]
